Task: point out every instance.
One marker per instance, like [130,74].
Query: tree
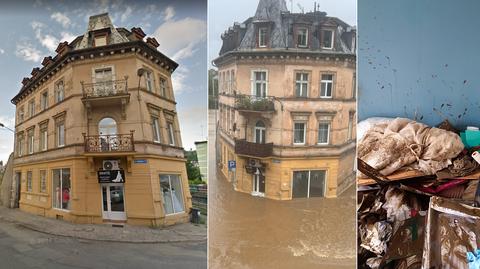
[193,172]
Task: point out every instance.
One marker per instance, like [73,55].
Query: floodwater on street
[253,232]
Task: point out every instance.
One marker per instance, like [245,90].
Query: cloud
[126,14]
[193,124]
[62,19]
[169,13]
[28,52]
[179,78]
[49,41]
[181,46]
[2,51]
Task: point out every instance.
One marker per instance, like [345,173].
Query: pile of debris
[418,196]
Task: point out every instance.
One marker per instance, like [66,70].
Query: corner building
[97,132]
[287,98]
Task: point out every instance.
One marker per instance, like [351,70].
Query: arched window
[259,132]
[107,126]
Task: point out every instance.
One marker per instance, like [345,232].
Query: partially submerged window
[310,183]
[172,194]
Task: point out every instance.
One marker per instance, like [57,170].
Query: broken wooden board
[410,174]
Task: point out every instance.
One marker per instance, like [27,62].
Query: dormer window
[262,37]
[302,37]
[327,42]
[100,41]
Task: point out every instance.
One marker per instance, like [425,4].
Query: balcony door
[104,82]
[258,184]
[259,132]
[107,131]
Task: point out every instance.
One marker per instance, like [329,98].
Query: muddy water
[252,232]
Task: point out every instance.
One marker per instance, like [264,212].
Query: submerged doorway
[307,184]
[258,184]
[113,204]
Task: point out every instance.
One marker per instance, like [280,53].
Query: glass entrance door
[113,204]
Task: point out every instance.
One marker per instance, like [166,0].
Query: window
[29,181]
[100,41]
[60,134]
[43,181]
[149,81]
[59,91]
[260,84]
[61,188]
[30,141]
[307,184]
[323,133]
[155,130]
[44,100]
[262,37]
[326,86]
[21,114]
[354,86]
[171,134]
[301,85]
[327,42]
[350,126]
[302,37]
[163,87]
[299,133]
[20,144]
[31,108]
[259,131]
[172,194]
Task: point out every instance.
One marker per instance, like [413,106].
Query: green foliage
[193,172]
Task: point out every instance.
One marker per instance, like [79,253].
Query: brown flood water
[252,232]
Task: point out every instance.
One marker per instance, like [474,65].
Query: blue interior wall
[419,59]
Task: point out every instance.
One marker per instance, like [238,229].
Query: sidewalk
[102,232]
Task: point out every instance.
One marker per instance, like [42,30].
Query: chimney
[47,60]
[35,71]
[138,33]
[63,48]
[151,41]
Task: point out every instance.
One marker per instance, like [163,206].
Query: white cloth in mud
[402,142]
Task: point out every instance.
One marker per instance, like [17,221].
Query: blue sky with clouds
[32,30]
[223,13]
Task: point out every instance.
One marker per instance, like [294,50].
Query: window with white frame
[20,144]
[260,84]
[30,142]
[323,133]
[301,85]
[21,114]
[326,86]
[327,42]
[149,81]
[61,188]
[163,87]
[43,137]
[259,132]
[299,133]
[302,37]
[29,181]
[59,91]
[60,132]
[172,194]
[171,133]
[262,37]
[43,181]
[31,108]
[44,100]
[156,130]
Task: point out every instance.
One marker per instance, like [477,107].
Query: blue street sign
[140,161]
[232,165]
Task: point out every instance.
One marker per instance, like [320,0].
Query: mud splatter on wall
[419,59]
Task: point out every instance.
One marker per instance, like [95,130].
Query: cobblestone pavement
[23,248]
[101,232]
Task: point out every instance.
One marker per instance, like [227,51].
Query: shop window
[29,181]
[302,37]
[259,84]
[323,133]
[327,42]
[308,184]
[43,181]
[171,187]
[61,189]
[59,91]
[156,130]
[299,133]
[326,86]
[301,85]
[262,37]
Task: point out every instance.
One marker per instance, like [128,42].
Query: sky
[32,30]
[222,14]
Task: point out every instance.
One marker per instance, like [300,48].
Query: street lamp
[3,126]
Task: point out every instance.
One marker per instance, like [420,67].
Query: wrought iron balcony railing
[109,143]
[244,147]
[254,103]
[105,88]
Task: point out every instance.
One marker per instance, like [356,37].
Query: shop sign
[111,176]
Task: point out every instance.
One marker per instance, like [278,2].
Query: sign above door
[111,176]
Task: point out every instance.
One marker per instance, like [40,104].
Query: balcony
[242,147]
[119,143]
[252,103]
[106,93]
